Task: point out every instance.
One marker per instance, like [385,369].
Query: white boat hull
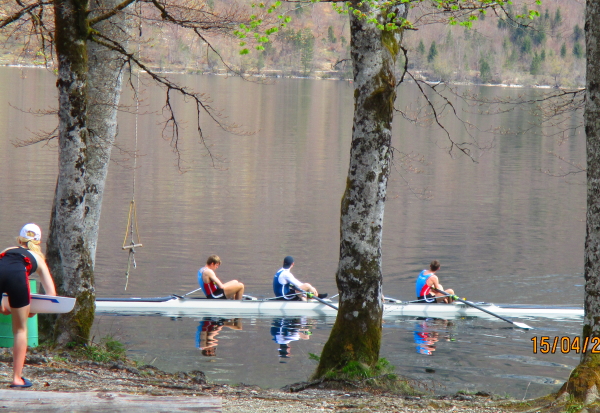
[48,304]
[173,306]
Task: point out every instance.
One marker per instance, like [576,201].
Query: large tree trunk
[104,80]
[356,334]
[68,252]
[584,381]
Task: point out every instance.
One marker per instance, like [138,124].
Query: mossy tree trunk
[584,381]
[356,334]
[68,252]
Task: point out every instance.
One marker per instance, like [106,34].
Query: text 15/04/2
[565,344]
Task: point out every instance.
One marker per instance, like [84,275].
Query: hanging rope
[132,224]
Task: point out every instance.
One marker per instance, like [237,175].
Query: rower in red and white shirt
[213,287]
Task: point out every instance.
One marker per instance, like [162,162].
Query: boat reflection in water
[427,334]
[209,328]
[286,330]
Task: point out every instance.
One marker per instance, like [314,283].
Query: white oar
[282,296]
[191,292]
[520,325]
[311,295]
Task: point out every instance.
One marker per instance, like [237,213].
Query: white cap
[31,232]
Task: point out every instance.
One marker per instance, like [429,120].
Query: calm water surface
[504,230]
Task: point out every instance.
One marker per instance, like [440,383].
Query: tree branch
[202,104]
[20,13]
[110,13]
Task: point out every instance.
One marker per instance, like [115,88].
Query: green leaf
[244,51]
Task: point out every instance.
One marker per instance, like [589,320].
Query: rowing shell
[176,306]
[49,304]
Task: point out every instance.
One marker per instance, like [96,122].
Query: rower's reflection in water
[286,330]
[208,329]
[427,334]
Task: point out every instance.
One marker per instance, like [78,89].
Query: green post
[6,334]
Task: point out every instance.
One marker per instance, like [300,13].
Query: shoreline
[325,75]
[62,372]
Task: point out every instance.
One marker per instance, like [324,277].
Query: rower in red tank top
[428,279]
[213,287]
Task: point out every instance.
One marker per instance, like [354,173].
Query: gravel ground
[52,372]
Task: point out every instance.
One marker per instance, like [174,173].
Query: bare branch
[201,100]
[111,13]
[25,9]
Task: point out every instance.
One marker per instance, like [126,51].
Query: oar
[283,296]
[191,292]
[520,325]
[311,295]
[392,300]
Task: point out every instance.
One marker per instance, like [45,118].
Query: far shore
[314,75]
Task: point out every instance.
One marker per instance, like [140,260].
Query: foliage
[313,356]
[380,376]
[109,349]
[536,64]
[577,33]
[307,50]
[485,71]
[578,51]
[421,47]
[432,52]
[331,35]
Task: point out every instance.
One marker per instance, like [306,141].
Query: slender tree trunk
[584,381]
[68,253]
[356,334]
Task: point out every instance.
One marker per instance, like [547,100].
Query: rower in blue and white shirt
[287,287]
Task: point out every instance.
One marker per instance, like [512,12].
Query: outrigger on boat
[174,305]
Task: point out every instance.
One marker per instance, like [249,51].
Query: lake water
[504,230]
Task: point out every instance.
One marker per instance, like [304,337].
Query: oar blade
[522,325]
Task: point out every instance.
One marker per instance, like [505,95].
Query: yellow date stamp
[565,344]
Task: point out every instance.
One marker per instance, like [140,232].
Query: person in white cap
[16,265]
